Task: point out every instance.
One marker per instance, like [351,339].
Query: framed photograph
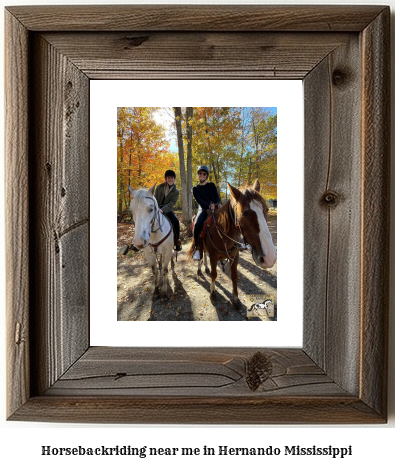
[166,272]
[339,374]
[280,139]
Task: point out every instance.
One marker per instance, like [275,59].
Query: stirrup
[177,247]
[196,256]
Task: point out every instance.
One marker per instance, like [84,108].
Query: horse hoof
[213,296]
[165,296]
[207,270]
[199,272]
[238,305]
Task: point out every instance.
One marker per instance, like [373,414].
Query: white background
[287,96]
[20,442]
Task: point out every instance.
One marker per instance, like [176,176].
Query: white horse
[153,234]
[263,306]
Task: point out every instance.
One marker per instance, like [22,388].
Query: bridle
[155,246]
[236,223]
[155,216]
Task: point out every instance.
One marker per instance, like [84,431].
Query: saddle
[172,227]
[206,226]
[207,222]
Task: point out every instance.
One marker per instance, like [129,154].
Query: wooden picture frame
[340,374]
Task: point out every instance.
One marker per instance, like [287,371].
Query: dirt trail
[189,293]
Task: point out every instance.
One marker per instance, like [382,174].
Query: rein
[235,223]
[220,233]
[155,245]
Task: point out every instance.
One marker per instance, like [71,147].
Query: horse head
[143,208]
[251,218]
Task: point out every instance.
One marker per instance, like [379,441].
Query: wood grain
[17,189]
[188,372]
[339,376]
[60,202]
[196,55]
[196,17]
[375,211]
[332,198]
[198,410]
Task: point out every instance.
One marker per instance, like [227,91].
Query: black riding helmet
[170,173]
[203,168]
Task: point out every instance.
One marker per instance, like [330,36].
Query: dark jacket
[205,194]
[166,203]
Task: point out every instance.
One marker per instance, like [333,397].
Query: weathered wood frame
[340,373]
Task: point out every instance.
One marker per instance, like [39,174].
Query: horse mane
[252,195]
[248,195]
[223,216]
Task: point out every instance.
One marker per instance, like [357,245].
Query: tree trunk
[189,116]
[139,159]
[249,171]
[121,189]
[130,159]
[213,171]
[241,164]
[256,141]
[184,200]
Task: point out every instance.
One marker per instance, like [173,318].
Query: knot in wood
[18,335]
[135,41]
[339,77]
[259,369]
[330,198]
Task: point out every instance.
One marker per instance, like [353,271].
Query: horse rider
[166,194]
[206,195]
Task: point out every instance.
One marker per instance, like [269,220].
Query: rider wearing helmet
[206,195]
[167,195]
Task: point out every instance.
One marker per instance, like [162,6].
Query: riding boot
[130,247]
[177,244]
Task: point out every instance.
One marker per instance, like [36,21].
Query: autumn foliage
[143,151]
[237,144]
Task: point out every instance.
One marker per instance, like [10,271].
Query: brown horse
[243,216]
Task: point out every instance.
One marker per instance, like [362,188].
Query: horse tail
[252,306]
[190,251]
